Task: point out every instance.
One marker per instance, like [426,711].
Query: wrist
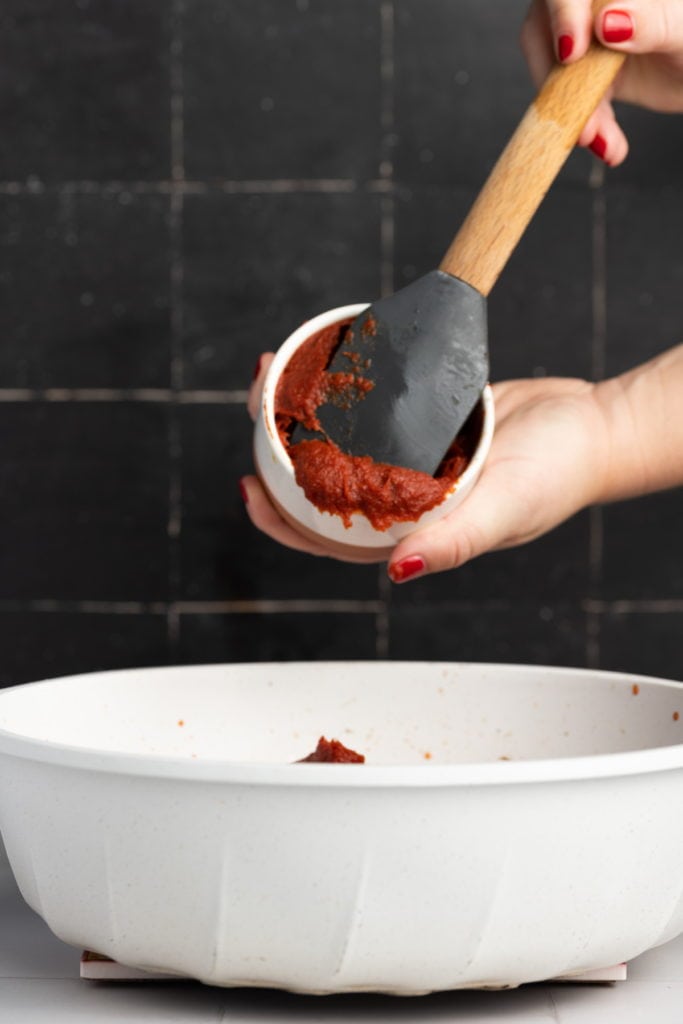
[643,429]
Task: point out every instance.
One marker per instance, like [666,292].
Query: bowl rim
[334,776]
[280,360]
[326,319]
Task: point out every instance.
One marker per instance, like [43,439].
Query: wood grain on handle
[528,166]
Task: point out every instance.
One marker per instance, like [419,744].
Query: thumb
[641,26]
[492,517]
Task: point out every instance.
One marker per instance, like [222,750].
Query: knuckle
[467,544]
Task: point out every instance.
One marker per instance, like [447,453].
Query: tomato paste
[346,484]
[333,751]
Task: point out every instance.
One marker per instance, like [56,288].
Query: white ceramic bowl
[198,849]
[275,468]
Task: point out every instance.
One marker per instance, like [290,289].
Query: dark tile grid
[149,258]
[639,610]
[579,297]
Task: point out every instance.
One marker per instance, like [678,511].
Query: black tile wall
[644,271]
[518,634]
[655,154]
[85,90]
[84,511]
[180,186]
[642,548]
[540,311]
[555,567]
[461,89]
[257,266]
[282,89]
[280,637]
[223,556]
[646,642]
[84,291]
[45,644]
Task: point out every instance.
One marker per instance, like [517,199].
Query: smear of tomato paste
[333,751]
[348,484]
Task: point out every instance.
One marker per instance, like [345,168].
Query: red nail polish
[257,368]
[244,493]
[599,147]
[565,47]
[617,26]
[406,568]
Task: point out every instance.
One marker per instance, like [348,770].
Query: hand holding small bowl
[280,507]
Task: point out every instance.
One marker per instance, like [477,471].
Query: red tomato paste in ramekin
[346,484]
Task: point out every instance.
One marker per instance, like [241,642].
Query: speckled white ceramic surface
[511,824]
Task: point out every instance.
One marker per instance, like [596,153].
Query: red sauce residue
[675,716]
[635,689]
[305,383]
[333,752]
[346,484]
[369,327]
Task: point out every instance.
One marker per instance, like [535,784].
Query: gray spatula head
[424,351]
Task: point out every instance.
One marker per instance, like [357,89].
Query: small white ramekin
[276,472]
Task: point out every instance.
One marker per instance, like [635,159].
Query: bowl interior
[394,713]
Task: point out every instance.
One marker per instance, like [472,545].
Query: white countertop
[39,982]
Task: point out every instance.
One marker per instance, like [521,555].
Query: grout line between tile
[387,126]
[274,607]
[178,183]
[653,606]
[595,546]
[177,84]
[175,449]
[159,396]
[387,75]
[174,609]
[599,297]
[593,623]
[335,606]
[285,185]
[56,606]
[598,362]
[387,245]
[383,622]
[213,397]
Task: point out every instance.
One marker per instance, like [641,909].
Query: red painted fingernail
[599,147]
[244,492]
[617,26]
[257,368]
[565,47]
[406,568]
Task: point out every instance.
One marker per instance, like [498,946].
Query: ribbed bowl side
[339,889]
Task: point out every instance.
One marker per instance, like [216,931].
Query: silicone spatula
[424,350]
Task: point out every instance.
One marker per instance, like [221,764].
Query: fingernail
[617,26]
[244,492]
[257,368]
[599,147]
[565,47]
[406,568]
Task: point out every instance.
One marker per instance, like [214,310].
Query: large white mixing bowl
[511,823]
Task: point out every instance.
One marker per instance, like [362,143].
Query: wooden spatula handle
[528,166]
